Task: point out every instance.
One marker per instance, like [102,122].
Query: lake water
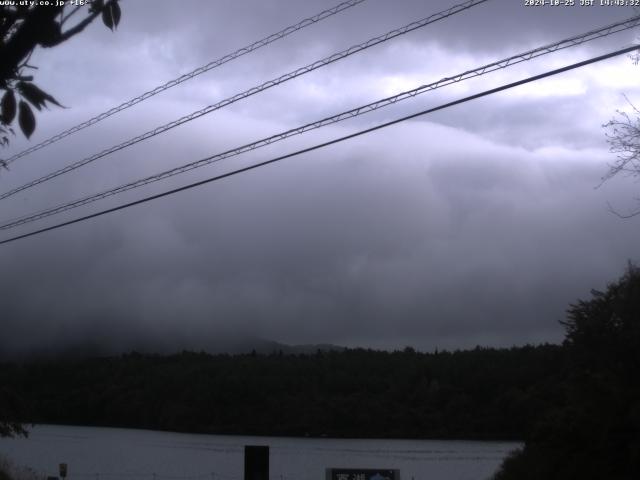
[123,454]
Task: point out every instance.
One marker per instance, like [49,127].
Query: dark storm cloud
[295,254]
[475,225]
[495,26]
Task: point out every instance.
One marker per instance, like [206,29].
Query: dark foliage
[22,29]
[481,393]
[11,410]
[596,434]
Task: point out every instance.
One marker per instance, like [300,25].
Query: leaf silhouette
[8,107]
[115,11]
[96,6]
[34,95]
[26,119]
[111,14]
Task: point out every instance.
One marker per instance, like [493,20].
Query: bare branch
[624,140]
[77,28]
[631,214]
[69,15]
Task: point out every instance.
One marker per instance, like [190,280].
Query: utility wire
[331,142]
[252,91]
[188,76]
[500,64]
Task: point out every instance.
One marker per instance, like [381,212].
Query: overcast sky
[479,224]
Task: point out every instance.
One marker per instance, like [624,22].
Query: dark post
[256,462]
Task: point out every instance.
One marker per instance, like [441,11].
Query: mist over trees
[577,405]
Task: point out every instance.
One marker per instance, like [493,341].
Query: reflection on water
[111,453]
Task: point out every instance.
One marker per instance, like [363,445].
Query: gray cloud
[479,224]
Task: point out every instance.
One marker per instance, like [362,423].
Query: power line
[500,64]
[188,76]
[326,144]
[252,91]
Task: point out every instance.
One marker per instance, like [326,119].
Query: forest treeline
[481,393]
[576,405]
[594,433]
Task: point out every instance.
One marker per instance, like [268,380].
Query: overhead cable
[500,64]
[252,91]
[188,76]
[326,144]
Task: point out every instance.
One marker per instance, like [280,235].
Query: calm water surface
[123,454]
